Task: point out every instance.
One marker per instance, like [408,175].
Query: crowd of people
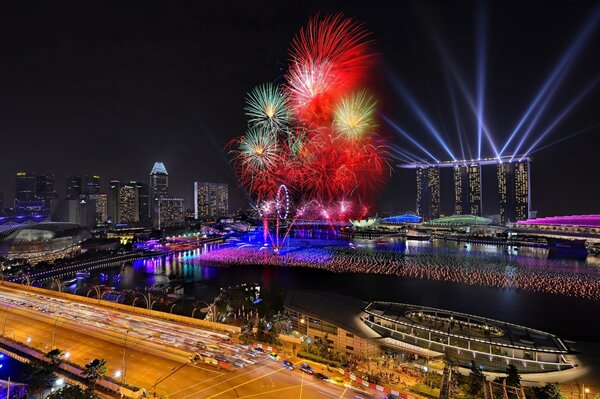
[485,270]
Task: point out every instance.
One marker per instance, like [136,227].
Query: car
[274,356]
[305,368]
[221,358]
[288,365]
[258,349]
[321,376]
[240,364]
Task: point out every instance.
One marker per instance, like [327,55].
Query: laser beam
[422,116]
[398,129]
[560,69]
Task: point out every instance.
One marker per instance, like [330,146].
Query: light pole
[152,304]
[54,330]
[172,306]
[124,363]
[4,322]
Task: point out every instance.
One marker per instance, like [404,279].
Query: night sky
[89,88]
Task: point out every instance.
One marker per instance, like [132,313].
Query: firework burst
[355,115]
[267,107]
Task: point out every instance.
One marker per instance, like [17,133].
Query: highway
[156,350]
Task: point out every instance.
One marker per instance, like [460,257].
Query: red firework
[327,59]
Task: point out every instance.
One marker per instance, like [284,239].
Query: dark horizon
[100,90]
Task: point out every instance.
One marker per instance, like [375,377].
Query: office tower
[113,201]
[143,204]
[73,187]
[44,188]
[513,190]
[461,193]
[159,186]
[467,190]
[428,192]
[128,204]
[211,200]
[474,197]
[25,186]
[101,201]
[169,212]
[92,185]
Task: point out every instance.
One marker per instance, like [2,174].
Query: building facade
[114,194]
[169,212]
[428,192]
[92,185]
[74,189]
[25,184]
[158,187]
[128,204]
[101,201]
[211,200]
[467,190]
[513,190]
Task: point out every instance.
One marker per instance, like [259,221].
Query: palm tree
[94,370]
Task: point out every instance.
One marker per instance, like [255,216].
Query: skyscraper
[211,200]
[44,188]
[513,190]
[101,201]
[428,192]
[467,189]
[73,187]
[25,186]
[159,186]
[128,204]
[113,201]
[169,212]
[92,185]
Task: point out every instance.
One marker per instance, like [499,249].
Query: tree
[476,379]
[512,376]
[71,392]
[549,391]
[94,370]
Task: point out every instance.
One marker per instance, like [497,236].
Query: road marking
[301,385]
[274,390]
[242,384]
[222,382]
[343,393]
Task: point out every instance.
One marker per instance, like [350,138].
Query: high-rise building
[92,185]
[101,201]
[143,204]
[169,212]
[128,204]
[467,189]
[211,200]
[25,186]
[44,188]
[114,195]
[428,192]
[74,187]
[159,186]
[513,190]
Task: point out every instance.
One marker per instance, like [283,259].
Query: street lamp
[54,331]
[124,363]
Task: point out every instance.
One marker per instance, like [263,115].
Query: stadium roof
[340,310]
[460,220]
[159,169]
[405,218]
[573,220]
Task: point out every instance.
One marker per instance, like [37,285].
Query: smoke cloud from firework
[316,134]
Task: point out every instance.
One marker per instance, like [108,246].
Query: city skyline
[189,110]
